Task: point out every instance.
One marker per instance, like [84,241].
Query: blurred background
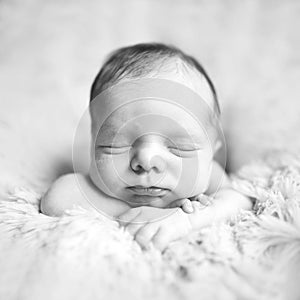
[51,51]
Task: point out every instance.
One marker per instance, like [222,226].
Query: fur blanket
[82,255]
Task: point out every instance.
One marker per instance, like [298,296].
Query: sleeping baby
[157,149]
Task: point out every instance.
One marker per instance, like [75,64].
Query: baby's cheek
[113,170]
[101,158]
[184,176]
[102,174]
[202,170]
[206,177]
[105,167]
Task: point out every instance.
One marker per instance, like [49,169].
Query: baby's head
[154,114]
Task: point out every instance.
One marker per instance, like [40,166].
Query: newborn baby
[156,138]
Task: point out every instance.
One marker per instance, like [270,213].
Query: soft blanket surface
[82,255]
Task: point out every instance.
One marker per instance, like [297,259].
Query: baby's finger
[201,201]
[204,200]
[187,206]
[161,239]
[176,203]
[128,216]
[134,227]
[145,235]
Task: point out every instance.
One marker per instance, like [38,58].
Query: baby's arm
[77,189]
[226,202]
[220,187]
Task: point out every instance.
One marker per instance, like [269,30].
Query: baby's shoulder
[66,185]
[77,189]
[65,192]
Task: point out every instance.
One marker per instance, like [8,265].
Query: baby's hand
[186,204]
[158,226]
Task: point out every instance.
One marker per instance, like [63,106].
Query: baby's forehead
[151,113]
[153,117]
[159,101]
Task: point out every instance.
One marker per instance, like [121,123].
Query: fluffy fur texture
[82,255]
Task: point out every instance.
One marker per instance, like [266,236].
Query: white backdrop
[51,51]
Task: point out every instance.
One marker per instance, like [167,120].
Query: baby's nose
[147,157]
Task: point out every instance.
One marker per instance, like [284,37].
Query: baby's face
[150,152]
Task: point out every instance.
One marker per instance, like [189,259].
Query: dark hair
[139,60]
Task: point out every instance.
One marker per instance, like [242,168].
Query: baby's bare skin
[76,189]
[72,190]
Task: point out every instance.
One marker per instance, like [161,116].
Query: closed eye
[112,149]
[186,148]
[183,151]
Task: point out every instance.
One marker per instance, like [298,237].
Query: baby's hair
[138,61]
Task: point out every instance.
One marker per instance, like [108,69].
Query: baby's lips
[150,191]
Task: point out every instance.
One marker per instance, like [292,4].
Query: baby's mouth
[148,191]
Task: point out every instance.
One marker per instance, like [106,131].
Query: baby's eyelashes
[185,148]
[181,151]
[112,146]
[113,149]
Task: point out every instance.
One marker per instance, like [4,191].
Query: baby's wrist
[198,218]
